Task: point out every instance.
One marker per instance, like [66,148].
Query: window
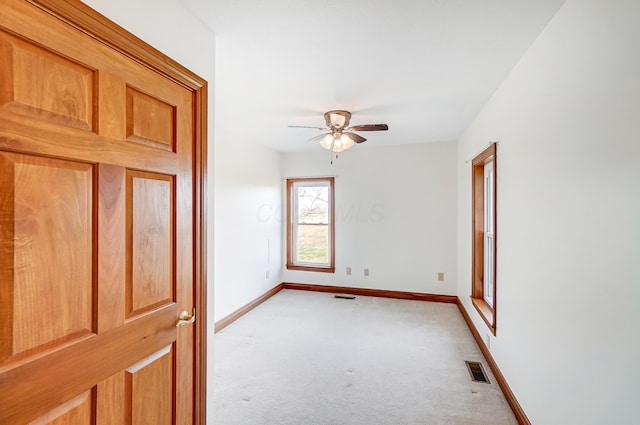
[483,285]
[310,224]
[489,239]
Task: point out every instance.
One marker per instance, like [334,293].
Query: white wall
[568,122]
[395,215]
[247,196]
[247,230]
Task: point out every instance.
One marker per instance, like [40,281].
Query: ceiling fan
[338,135]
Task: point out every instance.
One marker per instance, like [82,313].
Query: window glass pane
[488,270]
[313,243]
[488,197]
[312,223]
[313,204]
[487,289]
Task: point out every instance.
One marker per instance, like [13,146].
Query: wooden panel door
[99,231]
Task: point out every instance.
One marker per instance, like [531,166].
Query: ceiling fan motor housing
[338,119]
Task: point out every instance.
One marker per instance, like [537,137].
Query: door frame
[97,26]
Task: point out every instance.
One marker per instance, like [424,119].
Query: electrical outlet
[348,271]
[366,272]
[487,341]
[267,274]
[441,276]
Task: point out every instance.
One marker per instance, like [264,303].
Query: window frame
[291,226]
[479,207]
[489,233]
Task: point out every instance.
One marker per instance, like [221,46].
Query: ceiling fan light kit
[340,136]
[337,142]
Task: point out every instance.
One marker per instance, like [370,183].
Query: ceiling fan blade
[319,136]
[355,137]
[305,126]
[370,127]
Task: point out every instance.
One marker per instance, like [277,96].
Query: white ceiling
[424,67]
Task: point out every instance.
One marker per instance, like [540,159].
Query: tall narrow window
[310,224]
[488,233]
[483,285]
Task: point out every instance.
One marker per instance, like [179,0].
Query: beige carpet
[307,358]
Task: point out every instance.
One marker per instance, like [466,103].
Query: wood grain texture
[149,389]
[311,269]
[30,133]
[477,248]
[518,411]
[93,359]
[7,258]
[417,296]
[487,312]
[150,121]
[52,280]
[185,246]
[70,33]
[110,400]
[45,85]
[111,242]
[27,134]
[200,254]
[184,376]
[150,241]
[77,411]
[112,108]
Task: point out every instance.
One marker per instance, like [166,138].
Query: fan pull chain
[333,142]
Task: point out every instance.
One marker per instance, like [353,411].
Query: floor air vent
[345,297]
[477,372]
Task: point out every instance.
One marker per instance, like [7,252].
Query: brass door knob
[185,318]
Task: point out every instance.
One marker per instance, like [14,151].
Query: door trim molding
[98,27]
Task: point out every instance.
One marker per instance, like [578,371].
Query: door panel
[150,247]
[150,121]
[78,411]
[97,259]
[148,397]
[47,252]
[39,83]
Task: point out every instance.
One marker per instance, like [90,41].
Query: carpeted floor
[307,358]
